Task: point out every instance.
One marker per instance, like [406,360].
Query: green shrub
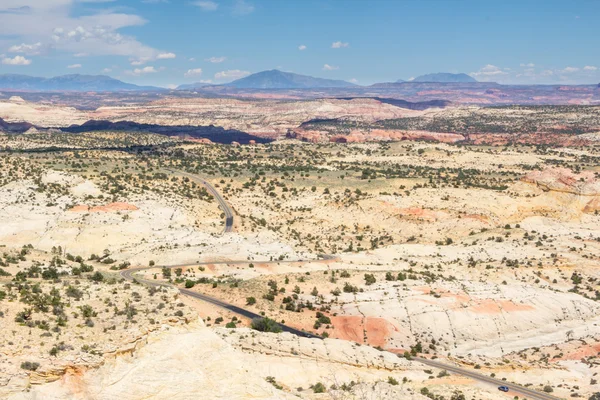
[318,388]
[97,277]
[189,284]
[265,325]
[30,366]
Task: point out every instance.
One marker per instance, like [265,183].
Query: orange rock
[378,331]
[580,352]
[418,213]
[348,328]
[489,306]
[592,206]
[354,328]
[564,180]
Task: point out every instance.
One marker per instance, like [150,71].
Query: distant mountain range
[192,86]
[75,82]
[445,77]
[275,79]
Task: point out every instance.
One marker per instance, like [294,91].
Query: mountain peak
[71,82]
[276,79]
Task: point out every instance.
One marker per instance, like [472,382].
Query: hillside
[276,79]
[14,127]
[445,77]
[74,82]
[192,86]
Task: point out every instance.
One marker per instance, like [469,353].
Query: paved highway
[211,189]
[517,389]
[128,275]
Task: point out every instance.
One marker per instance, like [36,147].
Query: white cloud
[216,60]
[206,5]
[102,40]
[488,72]
[538,75]
[302,47]
[81,55]
[52,25]
[140,61]
[17,60]
[29,49]
[172,86]
[144,71]
[241,7]
[166,56]
[528,65]
[339,45]
[106,70]
[353,80]
[231,74]
[328,67]
[74,66]
[193,72]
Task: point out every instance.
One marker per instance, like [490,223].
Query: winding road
[514,388]
[211,189]
[128,275]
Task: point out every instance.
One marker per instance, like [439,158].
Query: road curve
[128,275]
[211,189]
[530,393]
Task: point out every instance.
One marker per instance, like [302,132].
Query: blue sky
[169,42]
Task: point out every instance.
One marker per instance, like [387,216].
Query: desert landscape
[316,200]
[408,243]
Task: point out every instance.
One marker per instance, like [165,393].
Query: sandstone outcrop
[564,180]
